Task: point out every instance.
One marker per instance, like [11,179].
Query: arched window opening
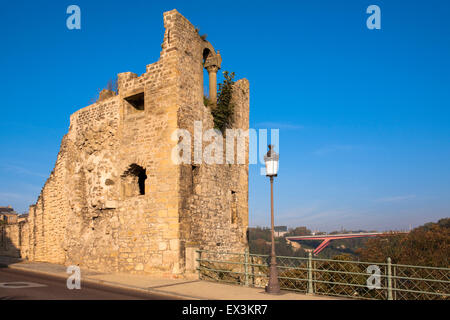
[133,181]
[211,62]
[206,86]
[206,53]
[141,181]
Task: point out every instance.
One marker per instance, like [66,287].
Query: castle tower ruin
[116,201]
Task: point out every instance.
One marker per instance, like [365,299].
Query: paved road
[22,285]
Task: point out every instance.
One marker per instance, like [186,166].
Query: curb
[109,284]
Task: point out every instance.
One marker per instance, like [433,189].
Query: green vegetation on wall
[224,110]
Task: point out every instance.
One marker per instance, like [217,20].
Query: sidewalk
[178,288]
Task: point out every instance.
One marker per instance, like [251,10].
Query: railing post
[246,266]
[198,257]
[389,279]
[394,282]
[310,277]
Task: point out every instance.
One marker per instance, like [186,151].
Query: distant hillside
[427,245]
[259,242]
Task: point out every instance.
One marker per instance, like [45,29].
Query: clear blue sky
[363,114]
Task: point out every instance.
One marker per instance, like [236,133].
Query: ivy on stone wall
[224,111]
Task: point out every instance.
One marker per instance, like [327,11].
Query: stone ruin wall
[10,241]
[87,214]
[210,194]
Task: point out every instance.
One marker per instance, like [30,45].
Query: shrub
[224,111]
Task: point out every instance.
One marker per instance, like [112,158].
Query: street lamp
[271,160]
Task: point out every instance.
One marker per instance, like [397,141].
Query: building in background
[22,218]
[8,215]
[280,230]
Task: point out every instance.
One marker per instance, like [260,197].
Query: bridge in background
[326,238]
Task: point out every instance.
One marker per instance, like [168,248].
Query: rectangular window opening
[136,101]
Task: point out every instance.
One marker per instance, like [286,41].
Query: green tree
[224,111]
[299,231]
[427,245]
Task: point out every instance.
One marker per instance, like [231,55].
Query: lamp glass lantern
[271,160]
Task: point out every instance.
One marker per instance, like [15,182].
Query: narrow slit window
[194,176]
[234,211]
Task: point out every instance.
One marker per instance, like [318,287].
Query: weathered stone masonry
[115,201]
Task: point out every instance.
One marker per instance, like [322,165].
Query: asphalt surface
[22,285]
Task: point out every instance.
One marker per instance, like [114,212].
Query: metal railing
[343,278]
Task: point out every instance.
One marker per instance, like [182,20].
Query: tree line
[426,245]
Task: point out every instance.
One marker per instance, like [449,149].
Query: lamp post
[271,160]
